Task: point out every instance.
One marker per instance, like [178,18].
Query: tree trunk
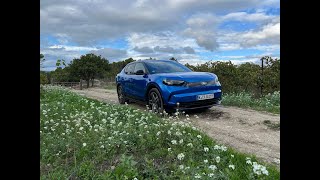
[88,83]
[80,84]
[92,81]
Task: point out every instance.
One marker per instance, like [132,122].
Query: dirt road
[241,129]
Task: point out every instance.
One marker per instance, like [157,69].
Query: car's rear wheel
[155,101]
[121,97]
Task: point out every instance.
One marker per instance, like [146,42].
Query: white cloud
[161,39]
[189,50]
[73,48]
[243,16]
[111,54]
[202,27]
[167,49]
[269,34]
[143,49]
[156,28]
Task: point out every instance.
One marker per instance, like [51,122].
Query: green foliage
[43,78]
[63,75]
[60,62]
[116,67]
[87,139]
[244,77]
[41,58]
[173,59]
[89,67]
[269,102]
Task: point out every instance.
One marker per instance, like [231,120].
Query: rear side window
[129,69]
[139,66]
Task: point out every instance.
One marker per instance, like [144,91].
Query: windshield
[155,67]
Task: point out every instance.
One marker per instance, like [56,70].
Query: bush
[269,102]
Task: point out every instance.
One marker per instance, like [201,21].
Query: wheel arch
[149,87]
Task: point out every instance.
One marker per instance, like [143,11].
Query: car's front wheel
[155,101]
[121,96]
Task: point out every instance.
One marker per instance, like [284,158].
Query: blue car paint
[136,86]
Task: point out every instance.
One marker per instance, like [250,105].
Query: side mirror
[140,72]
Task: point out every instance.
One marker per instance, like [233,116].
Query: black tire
[155,101]
[121,97]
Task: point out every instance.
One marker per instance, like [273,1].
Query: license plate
[205,96]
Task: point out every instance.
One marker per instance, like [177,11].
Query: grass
[269,103]
[86,139]
[110,86]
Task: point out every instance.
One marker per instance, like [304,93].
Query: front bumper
[189,100]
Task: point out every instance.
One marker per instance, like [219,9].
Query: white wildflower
[174,142]
[213,167]
[84,144]
[206,149]
[197,176]
[180,156]
[217,159]
[104,121]
[231,166]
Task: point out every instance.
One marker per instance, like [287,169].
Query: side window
[129,69]
[139,66]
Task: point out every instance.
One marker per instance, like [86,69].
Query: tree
[43,76]
[89,67]
[41,59]
[172,58]
[116,67]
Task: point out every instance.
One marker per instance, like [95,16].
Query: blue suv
[167,85]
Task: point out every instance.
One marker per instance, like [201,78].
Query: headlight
[173,82]
[214,82]
[217,81]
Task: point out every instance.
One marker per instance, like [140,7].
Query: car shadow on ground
[209,114]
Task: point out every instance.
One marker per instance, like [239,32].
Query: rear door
[129,71]
[139,81]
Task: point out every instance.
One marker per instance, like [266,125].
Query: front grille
[203,83]
[199,103]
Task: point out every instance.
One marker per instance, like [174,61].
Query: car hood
[188,76]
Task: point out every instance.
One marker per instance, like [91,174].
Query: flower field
[82,138]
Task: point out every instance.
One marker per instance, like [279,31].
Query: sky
[192,31]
